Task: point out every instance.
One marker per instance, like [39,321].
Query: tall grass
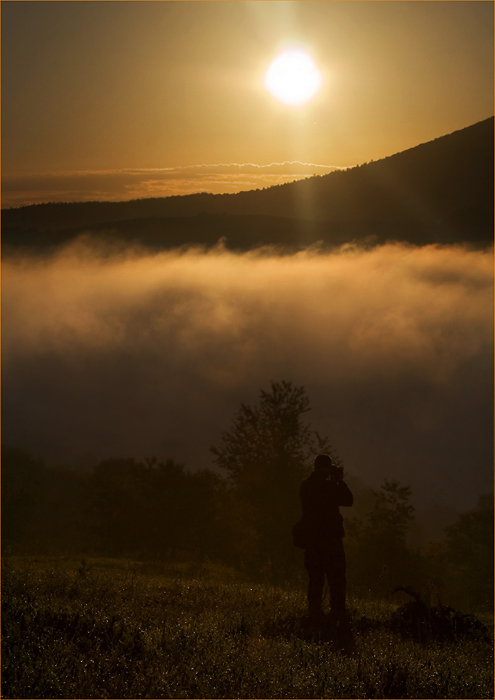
[121,629]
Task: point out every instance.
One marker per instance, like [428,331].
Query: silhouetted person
[321,495]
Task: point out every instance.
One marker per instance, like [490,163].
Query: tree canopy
[267,452]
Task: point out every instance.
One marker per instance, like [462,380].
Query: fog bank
[131,354]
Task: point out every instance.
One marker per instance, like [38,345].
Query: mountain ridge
[438,191]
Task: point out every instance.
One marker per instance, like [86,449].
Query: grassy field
[118,629]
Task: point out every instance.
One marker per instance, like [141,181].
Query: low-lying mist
[126,353]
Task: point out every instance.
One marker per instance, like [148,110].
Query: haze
[127,353]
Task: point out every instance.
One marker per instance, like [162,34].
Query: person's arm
[303,498]
[345,497]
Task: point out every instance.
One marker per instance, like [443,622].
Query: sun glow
[293,77]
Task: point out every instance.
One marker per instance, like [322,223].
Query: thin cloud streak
[228,167]
[136,183]
[136,354]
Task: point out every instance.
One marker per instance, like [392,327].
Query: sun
[293,77]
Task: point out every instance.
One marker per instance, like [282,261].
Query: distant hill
[440,191]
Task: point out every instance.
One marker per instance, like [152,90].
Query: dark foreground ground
[122,629]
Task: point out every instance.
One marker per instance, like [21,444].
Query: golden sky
[115,100]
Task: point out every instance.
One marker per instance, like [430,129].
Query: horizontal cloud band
[137,183]
[139,354]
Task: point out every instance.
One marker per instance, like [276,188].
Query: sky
[110,352]
[122,100]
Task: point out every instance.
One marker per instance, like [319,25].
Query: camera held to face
[336,473]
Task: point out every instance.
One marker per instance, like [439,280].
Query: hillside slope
[440,191]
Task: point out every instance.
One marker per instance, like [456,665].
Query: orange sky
[115,100]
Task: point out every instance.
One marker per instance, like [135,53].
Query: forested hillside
[441,191]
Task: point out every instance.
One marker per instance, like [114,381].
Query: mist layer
[109,353]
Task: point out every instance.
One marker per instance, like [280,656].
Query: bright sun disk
[293,78]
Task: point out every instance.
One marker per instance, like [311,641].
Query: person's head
[323,465]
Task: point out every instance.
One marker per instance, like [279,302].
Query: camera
[337,473]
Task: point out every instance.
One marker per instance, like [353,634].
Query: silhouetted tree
[378,555]
[392,513]
[267,453]
[153,509]
[468,557]
[115,494]
[42,505]
[204,524]
[180,510]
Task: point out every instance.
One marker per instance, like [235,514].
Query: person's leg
[316,571]
[336,577]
